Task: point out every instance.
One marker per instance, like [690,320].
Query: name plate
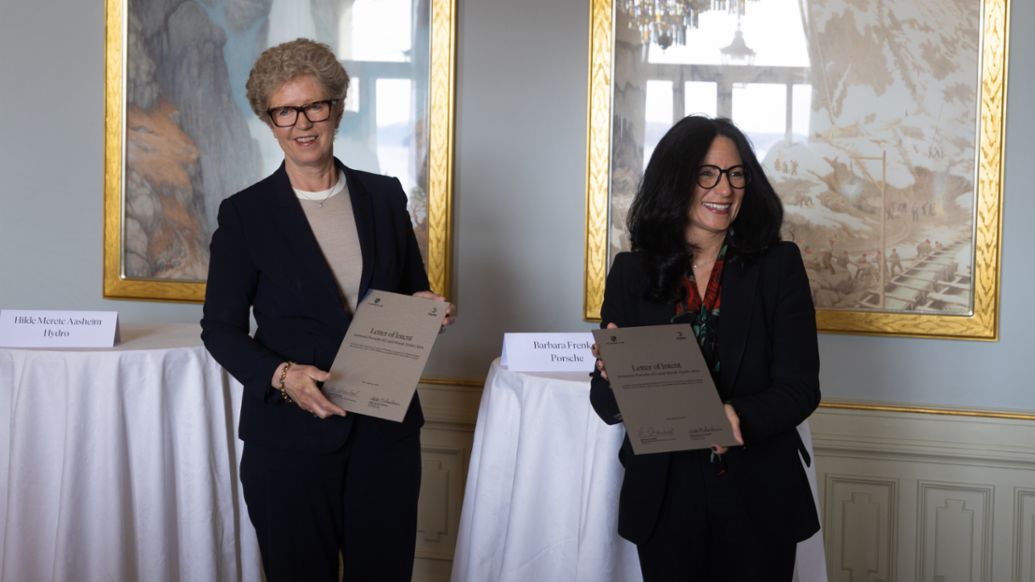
[58,329]
[548,352]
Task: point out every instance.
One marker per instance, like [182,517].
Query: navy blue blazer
[770,367]
[265,259]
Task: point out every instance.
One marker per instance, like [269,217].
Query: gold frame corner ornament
[982,324]
[440,160]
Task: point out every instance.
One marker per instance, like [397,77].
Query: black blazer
[265,258]
[770,366]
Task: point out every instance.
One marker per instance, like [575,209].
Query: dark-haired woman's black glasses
[708,176]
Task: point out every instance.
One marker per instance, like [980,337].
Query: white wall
[519,221]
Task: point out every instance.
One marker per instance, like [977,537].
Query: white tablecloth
[542,489]
[121,464]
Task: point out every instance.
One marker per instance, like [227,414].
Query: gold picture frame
[981,323]
[438,134]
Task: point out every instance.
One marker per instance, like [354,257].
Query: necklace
[322,196]
[702,265]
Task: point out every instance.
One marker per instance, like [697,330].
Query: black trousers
[359,502]
[705,533]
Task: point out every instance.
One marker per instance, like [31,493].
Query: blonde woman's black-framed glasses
[315,112]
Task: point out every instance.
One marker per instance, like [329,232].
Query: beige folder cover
[664,391]
[382,357]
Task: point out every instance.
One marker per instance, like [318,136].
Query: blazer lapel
[739,287]
[363,213]
[290,219]
[657,313]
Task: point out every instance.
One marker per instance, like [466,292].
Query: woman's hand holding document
[663,388]
[382,357]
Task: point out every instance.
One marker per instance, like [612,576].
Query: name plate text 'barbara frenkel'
[548,352]
[21,328]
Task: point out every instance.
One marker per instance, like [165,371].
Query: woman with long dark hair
[706,250]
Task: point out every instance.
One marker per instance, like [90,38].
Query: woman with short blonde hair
[298,250]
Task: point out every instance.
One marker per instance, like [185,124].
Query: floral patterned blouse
[702,313]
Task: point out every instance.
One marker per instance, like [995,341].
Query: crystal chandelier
[666,22]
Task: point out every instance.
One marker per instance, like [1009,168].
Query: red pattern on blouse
[712,294]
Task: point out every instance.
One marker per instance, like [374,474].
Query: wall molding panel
[1024,535]
[859,516]
[909,496]
[442,483]
[450,412]
[955,528]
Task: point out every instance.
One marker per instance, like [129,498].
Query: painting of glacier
[864,115]
[192,140]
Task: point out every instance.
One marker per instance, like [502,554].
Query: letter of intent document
[663,388]
[382,357]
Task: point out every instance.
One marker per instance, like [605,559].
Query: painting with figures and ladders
[864,114]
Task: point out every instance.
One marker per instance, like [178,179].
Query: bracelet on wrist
[283,377]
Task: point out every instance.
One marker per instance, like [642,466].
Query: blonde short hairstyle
[284,62]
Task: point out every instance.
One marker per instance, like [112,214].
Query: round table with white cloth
[121,463]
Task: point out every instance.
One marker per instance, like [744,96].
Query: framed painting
[879,124]
[180,136]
